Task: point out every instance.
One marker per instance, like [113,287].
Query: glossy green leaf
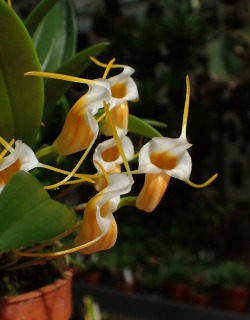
[54,89]
[21,98]
[29,215]
[141,127]
[37,14]
[55,36]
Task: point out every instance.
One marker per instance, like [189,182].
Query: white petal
[176,147]
[124,78]
[97,94]
[119,184]
[128,149]
[22,152]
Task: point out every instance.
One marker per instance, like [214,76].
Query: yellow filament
[58,253]
[81,176]
[55,239]
[203,184]
[101,117]
[103,171]
[109,66]
[186,108]
[6,147]
[56,185]
[60,77]
[9,3]
[104,65]
[115,135]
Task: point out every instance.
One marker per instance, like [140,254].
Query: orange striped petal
[91,229]
[152,192]
[79,130]
[119,115]
[98,217]
[80,127]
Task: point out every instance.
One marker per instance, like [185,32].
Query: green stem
[45,152]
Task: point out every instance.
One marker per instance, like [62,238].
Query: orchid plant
[38,163]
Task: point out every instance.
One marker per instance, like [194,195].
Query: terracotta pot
[51,302]
[179,291]
[199,298]
[234,299]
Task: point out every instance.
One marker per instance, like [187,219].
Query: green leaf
[21,98]
[55,36]
[37,14]
[54,89]
[28,215]
[224,63]
[141,127]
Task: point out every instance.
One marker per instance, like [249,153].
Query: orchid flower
[107,153]
[107,157]
[123,89]
[19,158]
[80,127]
[98,220]
[162,158]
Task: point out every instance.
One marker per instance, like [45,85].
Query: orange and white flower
[108,155]
[81,128]
[162,158]
[99,225]
[123,89]
[108,158]
[19,158]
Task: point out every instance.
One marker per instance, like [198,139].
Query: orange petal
[91,230]
[153,190]
[76,134]
[119,115]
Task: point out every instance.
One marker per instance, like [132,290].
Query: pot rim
[36,294]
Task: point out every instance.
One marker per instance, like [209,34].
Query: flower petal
[152,192]
[166,155]
[123,87]
[80,127]
[98,215]
[119,115]
[20,158]
[107,154]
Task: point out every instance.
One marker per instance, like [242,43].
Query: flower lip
[108,155]
[166,155]
[25,155]
[123,87]
[119,184]
[20,158]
